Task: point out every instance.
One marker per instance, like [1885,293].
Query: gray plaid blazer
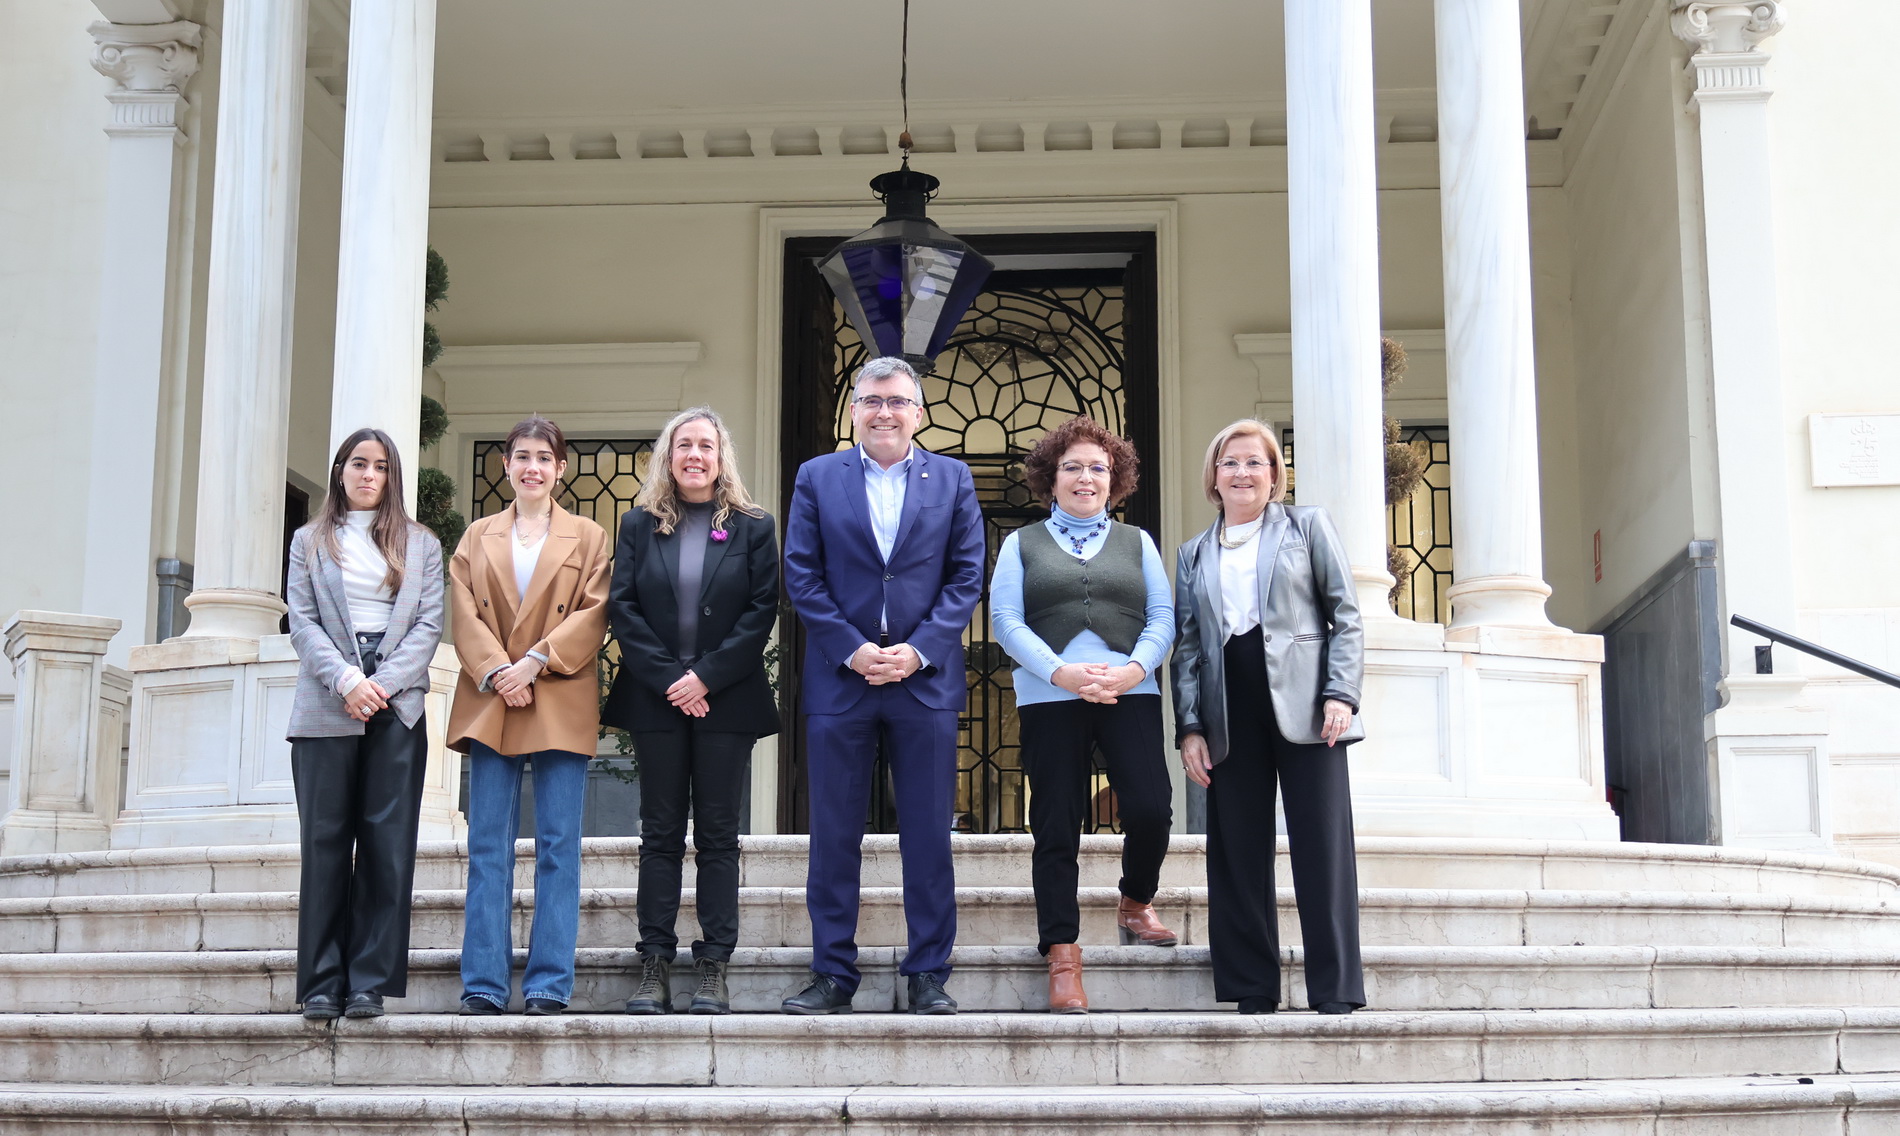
[325,639]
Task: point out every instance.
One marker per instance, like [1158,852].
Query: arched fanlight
[904,282]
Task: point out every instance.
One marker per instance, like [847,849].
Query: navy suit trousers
[921,744]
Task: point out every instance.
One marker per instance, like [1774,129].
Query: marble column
[1333,220]
[150,65]
[252,283]
[1497,538]
[385,227]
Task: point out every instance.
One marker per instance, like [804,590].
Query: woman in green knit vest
[1082,605]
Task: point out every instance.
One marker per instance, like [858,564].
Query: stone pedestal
[1497,736]
[1768,766]
[68,729]
[209,761]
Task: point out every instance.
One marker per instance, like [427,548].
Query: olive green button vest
[1063,596]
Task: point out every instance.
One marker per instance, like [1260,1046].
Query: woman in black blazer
[693,600]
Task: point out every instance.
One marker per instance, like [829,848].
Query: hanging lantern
[904,282]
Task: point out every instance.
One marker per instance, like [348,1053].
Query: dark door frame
[807,413]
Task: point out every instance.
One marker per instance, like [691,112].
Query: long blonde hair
[659,495]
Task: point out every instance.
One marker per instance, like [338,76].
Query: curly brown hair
[1039,468]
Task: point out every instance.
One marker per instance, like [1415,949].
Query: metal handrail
[1764,663]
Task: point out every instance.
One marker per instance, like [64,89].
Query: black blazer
[738,605]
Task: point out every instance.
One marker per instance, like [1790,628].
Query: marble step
[1003,861]
[971,1050]
[1014,979]
[1005,916]
[1837,1105]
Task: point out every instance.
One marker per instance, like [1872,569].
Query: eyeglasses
[1251,465]
[874,404]
[1075,469]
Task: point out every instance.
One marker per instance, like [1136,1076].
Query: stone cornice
[1725,27]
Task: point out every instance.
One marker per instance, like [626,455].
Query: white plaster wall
[1837,238]
[1633,385]
[52,196]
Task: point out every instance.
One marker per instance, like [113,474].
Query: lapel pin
[925,473]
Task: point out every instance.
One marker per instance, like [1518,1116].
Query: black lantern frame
[905,283]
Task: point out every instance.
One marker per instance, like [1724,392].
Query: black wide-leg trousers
[1242,919]
[705,769]
[359,802]
[1059,740]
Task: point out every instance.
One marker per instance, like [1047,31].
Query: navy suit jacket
[838,582]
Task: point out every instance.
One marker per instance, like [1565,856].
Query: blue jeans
[494,816]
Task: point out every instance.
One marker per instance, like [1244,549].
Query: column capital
[1726,27]
[147,58]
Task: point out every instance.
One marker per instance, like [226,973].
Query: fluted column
[150,64]
[1497,538]
[1332,207]
[1755,555]
[252,283]
[385,229]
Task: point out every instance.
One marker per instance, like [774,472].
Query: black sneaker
[544,1008]
[822,995]
[476,1006]
[654,995]
[711,996]
[927,996]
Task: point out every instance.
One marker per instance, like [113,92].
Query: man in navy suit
[884,563]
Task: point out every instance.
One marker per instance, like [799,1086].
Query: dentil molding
[1725,26]
[147,57]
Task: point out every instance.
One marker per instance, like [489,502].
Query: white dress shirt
[1240,579]
[884,494]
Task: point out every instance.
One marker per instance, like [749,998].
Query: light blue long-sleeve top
[1035,660]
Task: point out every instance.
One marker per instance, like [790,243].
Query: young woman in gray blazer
[1267,669]
[365,597]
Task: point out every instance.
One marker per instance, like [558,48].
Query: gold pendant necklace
[1226,543]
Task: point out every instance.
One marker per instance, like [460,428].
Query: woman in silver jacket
[1267,668]
[365,597]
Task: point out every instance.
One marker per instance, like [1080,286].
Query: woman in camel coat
[528,591]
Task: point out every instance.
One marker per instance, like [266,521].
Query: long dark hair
[390,528]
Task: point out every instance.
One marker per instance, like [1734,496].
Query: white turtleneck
[363,571]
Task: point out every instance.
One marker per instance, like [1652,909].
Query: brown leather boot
[1140,924]
[1066,995]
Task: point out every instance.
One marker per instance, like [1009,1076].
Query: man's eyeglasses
[875,405]
[1251,465]
[1075,469]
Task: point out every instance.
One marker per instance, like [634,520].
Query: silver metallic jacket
[1309,621]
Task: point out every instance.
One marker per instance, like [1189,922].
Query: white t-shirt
[363,571]
[525,560]
[1240,579]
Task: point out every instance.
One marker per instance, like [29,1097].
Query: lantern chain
[903,85]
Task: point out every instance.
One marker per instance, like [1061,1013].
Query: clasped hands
[515,683]
[688,694]
[365,699]
[1099,682]
[880,665]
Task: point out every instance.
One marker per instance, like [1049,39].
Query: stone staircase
[1514,987]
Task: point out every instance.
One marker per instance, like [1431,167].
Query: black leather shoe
[544,1008]
[1258,1004]
[476,1006]
[927,996]
[1334,1008]
[363,1004]
[321,1008]
[822,995]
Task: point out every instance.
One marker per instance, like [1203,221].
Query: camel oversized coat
[564,616]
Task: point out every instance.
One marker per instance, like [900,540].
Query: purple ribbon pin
[719,535]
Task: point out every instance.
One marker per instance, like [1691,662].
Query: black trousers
[359,801]
[1059,741]
[706,769]
[1243,923]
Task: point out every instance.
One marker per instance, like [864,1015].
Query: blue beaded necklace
[1078,532]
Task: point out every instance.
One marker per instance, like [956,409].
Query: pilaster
[150,64]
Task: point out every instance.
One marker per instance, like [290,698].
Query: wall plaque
[1854,449]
